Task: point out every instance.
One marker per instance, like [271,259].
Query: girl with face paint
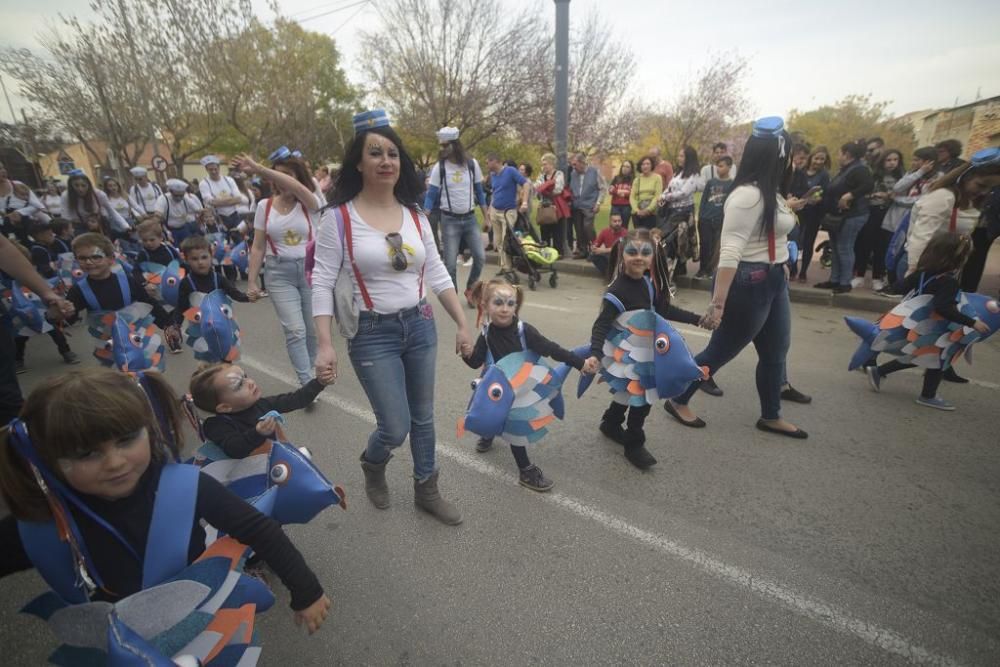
[94,436]
[637,253]
[501,302]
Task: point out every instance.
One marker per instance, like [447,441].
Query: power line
[351,17]
[334,11]
[325,5]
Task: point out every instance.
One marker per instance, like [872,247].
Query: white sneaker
[878,285]
[857,282]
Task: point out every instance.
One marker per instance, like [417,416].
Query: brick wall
[985,130]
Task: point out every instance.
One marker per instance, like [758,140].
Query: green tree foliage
[852,118]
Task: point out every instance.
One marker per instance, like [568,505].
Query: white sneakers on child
[878,285]
[857,282]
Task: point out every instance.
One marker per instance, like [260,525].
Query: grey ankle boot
[375,486]
[427,498]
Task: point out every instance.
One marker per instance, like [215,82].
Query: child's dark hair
[94,240]
[71,413]
[944,253]
[195,242]
[59,226]
[725,159]
[40,227]
[150,228]
[660,268]
[482,291]
[202,386]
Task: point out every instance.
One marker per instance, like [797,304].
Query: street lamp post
[562,81]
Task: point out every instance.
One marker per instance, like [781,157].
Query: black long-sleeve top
[945,288]
[204,284]
[634,295]
[856,179]
[42,257]
[236,432]
[131,517]
[109,297]
[504,340]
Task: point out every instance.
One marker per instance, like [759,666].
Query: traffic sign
[160,163]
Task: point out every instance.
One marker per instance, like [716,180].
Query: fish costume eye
[135,339]
[280,473]
[475,383]
[993,306]
[662,344]
[495,391]
[171,281]
[227,311]
[108,345]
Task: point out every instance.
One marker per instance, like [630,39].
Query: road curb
[869,302]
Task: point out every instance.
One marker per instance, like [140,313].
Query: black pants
[634,421]
[810,228]
[57,336]
[11,399]
[932,376]
[583,225]
[973,271]
[865,246]
[554,235]
[710,232]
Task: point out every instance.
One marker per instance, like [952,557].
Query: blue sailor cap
[76,172]
[369,120]
[296,153]
[281,153]
[769,127]
[986,156]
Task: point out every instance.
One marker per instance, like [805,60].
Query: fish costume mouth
[212,332]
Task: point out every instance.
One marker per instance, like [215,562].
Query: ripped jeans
[394,356]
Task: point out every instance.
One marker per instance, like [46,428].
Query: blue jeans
[458,228]
[843,249]
[393,357]
[181,233]
[292,299]
[757,311]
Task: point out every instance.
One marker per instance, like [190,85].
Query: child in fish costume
[204,301]
[642,358]
[115,530]
[134,344]
[934,324]
[518,394]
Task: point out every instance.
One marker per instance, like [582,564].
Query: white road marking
[984,383]
[810,607]
[562,309]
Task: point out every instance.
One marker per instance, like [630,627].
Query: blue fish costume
[26,311]
[212,332]
[241,256]
[915,334]
[645,359]
[134,344]
[167,280]
[204,611]
[516,398]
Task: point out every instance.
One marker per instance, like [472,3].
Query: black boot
[611,422]
[635,439]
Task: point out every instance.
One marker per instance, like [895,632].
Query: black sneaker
[640,457]
[613,431]
[69,356]
[842,289]
[19,367]
[709,387]
[951,376]
[484,445]
[534,479]
[795,396]
[174,345]
[825,285]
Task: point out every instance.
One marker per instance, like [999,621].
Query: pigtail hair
[477,297]
[167,411]
[660,273]
[18,486]
[615,259]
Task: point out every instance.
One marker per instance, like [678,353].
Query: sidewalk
[862,298]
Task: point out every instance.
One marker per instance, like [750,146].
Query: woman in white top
[284,225]
[119,202]
[952,204]
[20,206]
[677,212]
[750,300]
[52,200]
[88,209]
[391,261]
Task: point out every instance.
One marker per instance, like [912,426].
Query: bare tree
[707,109]
[463,63]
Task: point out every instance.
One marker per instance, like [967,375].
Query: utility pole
[562,82]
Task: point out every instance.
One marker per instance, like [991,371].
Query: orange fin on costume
[890,321]
[460,427]
[540,422]
[224,547]
[228,622]
[522,375]
[927,349]
[640,332]
[635,388]
[619,354]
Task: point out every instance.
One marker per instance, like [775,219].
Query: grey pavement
[874,542]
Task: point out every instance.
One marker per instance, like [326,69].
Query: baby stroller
[528,255]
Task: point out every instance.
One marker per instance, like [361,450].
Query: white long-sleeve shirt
[680,191]
[743,239]
[79,215]
[27,206]
[144,198]
[932,214]
[390,290]
[224,187]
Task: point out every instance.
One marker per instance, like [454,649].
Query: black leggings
[932,376]
[57,336]
[810,228]
[972,273]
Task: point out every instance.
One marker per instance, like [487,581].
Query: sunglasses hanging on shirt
[396,253]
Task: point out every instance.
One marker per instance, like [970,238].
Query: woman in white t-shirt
[52,200]
[20,207]
[119,202]
[283,226]
[750,299]
[390,262]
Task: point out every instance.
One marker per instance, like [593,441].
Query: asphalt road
[873,542]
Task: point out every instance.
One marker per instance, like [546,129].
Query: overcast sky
[919,54]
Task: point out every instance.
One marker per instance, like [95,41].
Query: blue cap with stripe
[369,120]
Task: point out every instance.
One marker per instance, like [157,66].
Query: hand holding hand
[314,615]
[253,292]
[712,317]
[981,327]
[591,365]
[462,339]
[326,365]
[266,426]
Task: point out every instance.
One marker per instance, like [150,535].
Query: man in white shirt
[220,193]
[143,194]
[178,210]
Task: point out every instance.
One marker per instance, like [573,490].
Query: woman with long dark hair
[815,179]
[621,191]
[677,212]
[750,299]
[375,238]
[81,203]
[283,226]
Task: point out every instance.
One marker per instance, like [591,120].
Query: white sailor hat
[446,134]
[138,172]
[177,186]
[209,159]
